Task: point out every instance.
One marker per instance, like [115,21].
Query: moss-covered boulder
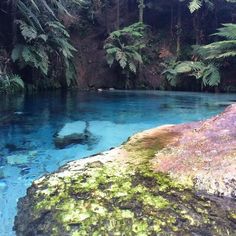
[124,192]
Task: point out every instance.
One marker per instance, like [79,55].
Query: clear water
[112,116]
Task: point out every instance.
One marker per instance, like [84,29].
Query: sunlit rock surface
[204,152]
[148,186]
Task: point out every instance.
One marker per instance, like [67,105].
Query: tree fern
[44,36]
[10,83]
[228,31]
[123,47]
[33,56]
[28,32]
[195,5]
[221,49]
[57,26]
[29,15]
[16,82]
[177,70]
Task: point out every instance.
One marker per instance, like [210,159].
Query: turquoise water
[28,125]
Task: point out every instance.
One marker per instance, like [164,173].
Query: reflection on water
[28,125]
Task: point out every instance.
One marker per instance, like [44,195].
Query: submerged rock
[74,133]
[3,185]
[77,127]
[126,192]
[19,159]
[13,148]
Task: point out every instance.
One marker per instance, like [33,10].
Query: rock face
[135,190]
[204,152]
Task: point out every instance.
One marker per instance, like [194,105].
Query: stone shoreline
[147,186]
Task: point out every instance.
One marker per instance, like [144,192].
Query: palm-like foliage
[123,47]
[45,41]
[195,5]
[210,54]
[221,49]
[11,83]
[8,81]
[208,73]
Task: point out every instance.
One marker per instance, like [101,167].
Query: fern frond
[228,31]
[28,32]
[29,15]
[208,73]
[221,49]
[16,81]
[195,5]
[124,47]
[58,26]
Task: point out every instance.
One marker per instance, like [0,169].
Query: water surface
[28,124]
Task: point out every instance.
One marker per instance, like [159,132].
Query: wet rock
[63,142]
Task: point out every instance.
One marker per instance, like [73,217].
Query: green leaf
[195,5]
[17,52]
[132,67]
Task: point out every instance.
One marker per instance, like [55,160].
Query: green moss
[156,201]
[126,200]
[232,216]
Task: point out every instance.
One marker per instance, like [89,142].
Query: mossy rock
[117,199]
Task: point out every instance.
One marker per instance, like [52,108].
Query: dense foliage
[41,43]
[207,73]
[223,48]
[124,47]
[37,49]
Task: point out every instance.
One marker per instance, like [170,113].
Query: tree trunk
[118,15]
[196,27]
[216,21]
[106,19]
[141,10]
[179,30]
[13,18]
[172,21]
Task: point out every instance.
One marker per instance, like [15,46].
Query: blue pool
[28,124]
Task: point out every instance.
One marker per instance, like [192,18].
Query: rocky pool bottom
[125,192]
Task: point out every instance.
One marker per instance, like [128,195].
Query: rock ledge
[148,186]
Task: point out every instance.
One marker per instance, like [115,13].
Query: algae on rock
[119,197]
